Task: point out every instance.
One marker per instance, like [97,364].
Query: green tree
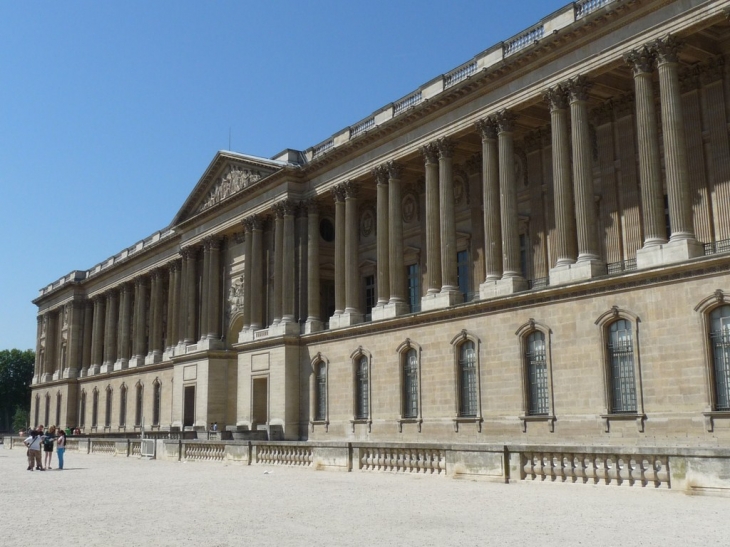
[21,419]
[16,373]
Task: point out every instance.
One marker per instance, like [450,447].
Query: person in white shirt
[33,442]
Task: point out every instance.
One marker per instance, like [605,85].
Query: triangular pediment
[227,175]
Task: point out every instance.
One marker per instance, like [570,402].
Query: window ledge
[468,420]
[538,418]
[324,423]
[624,416]
[362,421]
[402,421]
[712,415]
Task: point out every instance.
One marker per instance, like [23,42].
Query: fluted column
[380,174]
[191,294]
[213,290]
[247,257]
[650,168]
[182,316]
[110,332]
[256,290]
[75,339]
[508,196]
[278,211]
[204,288]
[490,189]
[675,148]
[352,278]
[88,332]
[156,345]
[37,370]
[125,320]
[433,226]
[338,193]
[140,316]
[449,282]
[97,336]
[288,262]
[314,322]
[583,170]
[51,358]
[395,235]
[173,304]
[565,252]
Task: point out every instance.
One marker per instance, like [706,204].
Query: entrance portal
[260,411]
[189,407]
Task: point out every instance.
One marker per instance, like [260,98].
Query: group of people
[41,439]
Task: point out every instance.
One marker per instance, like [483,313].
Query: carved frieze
[234,181]
[235,295]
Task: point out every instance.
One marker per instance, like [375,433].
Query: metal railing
[628,265]
[404,104]
[361,127]
[523,40]
[584,7]
[717,247]
[538,283]
[459,74]
[322,148]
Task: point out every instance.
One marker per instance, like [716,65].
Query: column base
[136,361]
[313,325]
[35,380]
[573,273]
[153,358]
[70,373]
[121,364]
[106,368]
[93,370]
[46,377]
[443,299]
[668,253]
[57,375]
[501,287]
[168,354]
[285,328]
[246,335]
[390,310]
[83,373]
[346,319]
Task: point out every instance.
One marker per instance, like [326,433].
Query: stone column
[75,339]
[214,290]
[352,314]
[51,355]
[565,239]
[278,210]
[492,220]
[173,304]
[397,304]
[191,294]
[204,287]
[37,371]
[449,282]
[140,323]
[110,332]
[182,325]
[380,174]
[589,262]
[314,323]
[682,243]
[156,346]
[88,332]
[433,229]
[124,330]
[338,193]
[288,266]
[650,167]
[246,311]
[257,226]
[97,335]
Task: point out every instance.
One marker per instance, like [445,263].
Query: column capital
[140,281]
[445,147]
[380,174]
[339,193]
[578,87]
[641,60]
[430,152]
[189,251]
[278,209]
[395,170]
[288,207]
[212,242]
[487,127]
[505,120]
[310,206]
[174,266]
[667,49]
[352,189]
[556,97]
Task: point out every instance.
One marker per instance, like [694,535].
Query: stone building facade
[533,248]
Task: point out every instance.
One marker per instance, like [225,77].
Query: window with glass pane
[58,409]
[82,410]
[138,405]
[720,340]
[320,407]
[462,273]
[414,287]
[95,409]
[47,415]
[37,409]
[123,407]
[370,298]
[361,410]
[467,380]
[156,404]
[108,412]
[410,384]
[621,356]
[537,374]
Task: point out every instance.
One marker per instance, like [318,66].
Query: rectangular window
[156,405]
[58,410]
[621,352]
[321,406]
[370,297]
[413,275]
[138,407]
[327,299]
[462,272]
[95,409]
[467,380]
[537,375]
[410,385]
[123,407]
[82,411]
[362,410]
[108,413]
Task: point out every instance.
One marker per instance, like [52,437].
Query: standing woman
[48,439]
[61,447]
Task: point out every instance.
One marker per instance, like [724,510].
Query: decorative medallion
[410,207]
[367,222]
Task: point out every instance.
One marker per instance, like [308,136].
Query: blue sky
[111,111]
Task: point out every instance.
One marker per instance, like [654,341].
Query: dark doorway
[260,401]
[189,408]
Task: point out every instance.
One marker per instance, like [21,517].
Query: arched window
[108,412]
[468,386]
[538,401]
[82,409]
[123,406]
[138,398]
[37,409]
[410,384]
[622,374]
[320,406]
[47,416]
[362,388]
[720,343]
[58,409]
[95,408]
[156,404]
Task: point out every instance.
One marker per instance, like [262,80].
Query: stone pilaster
[487,127]
[204,288]
[139,349]
[288,264]
[352,314]
[213,291]
[156,347]
[278,211]
[110,331]
[247,257]
[314,322]
[380,174]
[338,193]
[86,344]
[191,294]
[397,304]
[97,335]
[173,305]
[75,339]
[257,278]
[125,320]
[433,226]
[51,353]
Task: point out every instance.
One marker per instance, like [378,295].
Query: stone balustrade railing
[278,454]
[404,460]
[203,451]
[103,447]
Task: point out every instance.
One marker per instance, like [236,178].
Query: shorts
[47,448]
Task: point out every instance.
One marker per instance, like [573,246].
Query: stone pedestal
[106,368]
[501,287]
[209,344]
[443,299]
[46,377]
[121,364]
[285,328]
[168,354]
[313,325]
[246,335]
[93,370]
[152,358]
[136,361]
[70,373]
[580,271]
[345,319]
[57,375]
[668,253]
[390,310]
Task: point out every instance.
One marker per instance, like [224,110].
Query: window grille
[95,409]
[157,403]
[462,273]
[123,406]
[82,410]
[320,408]
[414,287]
[361,395]
[538,394]
[108,410]
[621,355]
[58,410]
[467,380]
[720,340]
[370,297]
[410,384]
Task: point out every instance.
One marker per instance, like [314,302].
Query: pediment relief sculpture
[234,181]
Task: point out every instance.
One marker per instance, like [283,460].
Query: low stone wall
[694,471]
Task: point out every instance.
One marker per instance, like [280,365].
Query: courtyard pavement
[104,500]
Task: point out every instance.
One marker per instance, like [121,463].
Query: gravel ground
[105,500]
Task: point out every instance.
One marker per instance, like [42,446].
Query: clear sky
[111,111]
